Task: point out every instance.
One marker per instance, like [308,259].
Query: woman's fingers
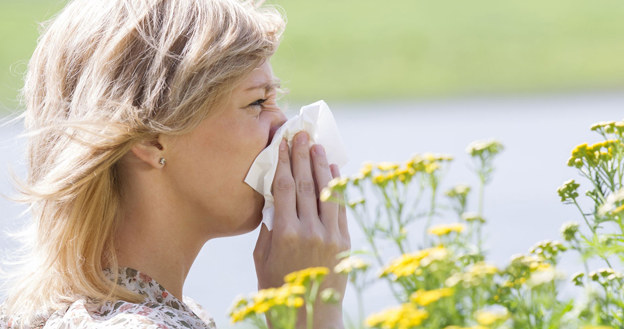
[304,182]
[284,190]
[328,211]
[299,177]
[290,246]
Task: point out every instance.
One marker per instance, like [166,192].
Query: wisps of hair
[106,74]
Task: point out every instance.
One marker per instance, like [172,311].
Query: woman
[144,118]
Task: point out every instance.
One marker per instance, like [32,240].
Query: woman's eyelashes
[258,103]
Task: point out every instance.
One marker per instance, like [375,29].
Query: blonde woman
[144,117]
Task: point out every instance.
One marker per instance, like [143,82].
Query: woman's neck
[154,238]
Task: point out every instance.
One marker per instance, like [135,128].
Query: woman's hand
[306,232]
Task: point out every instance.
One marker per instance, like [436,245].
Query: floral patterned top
[159,310]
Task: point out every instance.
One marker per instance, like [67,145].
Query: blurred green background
[343,50]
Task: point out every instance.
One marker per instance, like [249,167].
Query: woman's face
[207,166]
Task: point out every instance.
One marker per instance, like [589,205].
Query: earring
[162,161]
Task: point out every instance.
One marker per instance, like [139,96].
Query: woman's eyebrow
[270,85]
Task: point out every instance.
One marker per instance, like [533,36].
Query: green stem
[481,201]
[430,214]
[310,304]
[584,217]
[360,298]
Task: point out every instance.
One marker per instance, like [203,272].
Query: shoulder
[123,314]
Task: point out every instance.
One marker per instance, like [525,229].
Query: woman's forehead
[260,78]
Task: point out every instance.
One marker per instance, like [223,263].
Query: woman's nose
[278,120]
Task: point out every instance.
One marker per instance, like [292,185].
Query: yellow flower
[366,169]
[487,318]
[598,327]
[426,297]
[430,168]
[240,309]
[514,283]
[482,269]
[289,295]
[538,266]
[472,327]
[380,179]
[444,229]
[404,174]
[593,155]
[304,276]
[326,194]
[407,264]
[416,163]
[404,316]
[387,166]
[350,264]
[357,178]
[338,183]
[476,275]
[404,266]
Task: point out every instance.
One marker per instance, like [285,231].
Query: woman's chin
[253,220]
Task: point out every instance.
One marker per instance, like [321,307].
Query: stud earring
[162,161]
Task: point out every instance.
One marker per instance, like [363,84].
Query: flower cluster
[492,317]
[606,128]
[591,156]
[444,229]
[567,191]
[306,276]
[288,295]
[405,316]
[384,173]
[548,250]
[484,148]
[459,196]
[426,297]
[569,231]
[409,264]
[280,304]
[483,153]
[475,275]
[447,282]
[614,205]
[350,264]
[606,276]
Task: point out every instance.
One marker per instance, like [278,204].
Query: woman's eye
[258,102]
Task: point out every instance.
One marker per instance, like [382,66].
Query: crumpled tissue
[317,120]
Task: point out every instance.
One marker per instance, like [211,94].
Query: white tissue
[317,120]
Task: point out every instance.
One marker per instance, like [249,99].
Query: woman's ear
[151,152]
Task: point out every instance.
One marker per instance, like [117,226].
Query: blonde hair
[106,74]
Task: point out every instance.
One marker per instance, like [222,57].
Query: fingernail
[302,138]
[283,146]
[319,149]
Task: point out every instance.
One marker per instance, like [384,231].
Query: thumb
[263,245]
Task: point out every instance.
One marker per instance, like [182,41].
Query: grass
[18,37]
[363,49]
[402,49]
